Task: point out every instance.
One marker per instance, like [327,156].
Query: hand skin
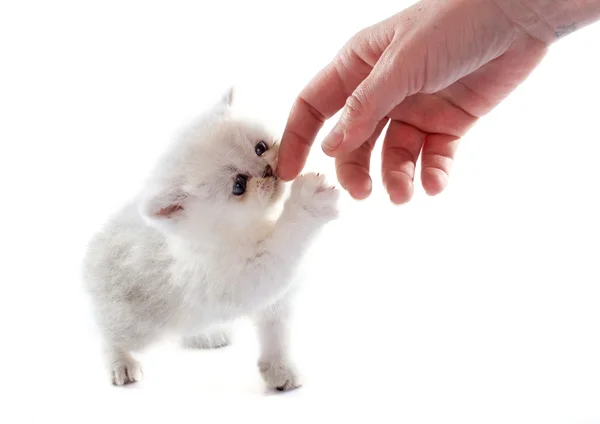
[430,72]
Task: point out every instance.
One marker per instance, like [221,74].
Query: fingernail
[333,140]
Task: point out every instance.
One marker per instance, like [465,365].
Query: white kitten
[197,249]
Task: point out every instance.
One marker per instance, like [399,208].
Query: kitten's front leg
[275,365]
[312,204]
[124,368]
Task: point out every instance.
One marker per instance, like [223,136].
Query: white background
[480,305]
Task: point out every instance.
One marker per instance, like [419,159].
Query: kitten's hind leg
[124,368]
[211,339]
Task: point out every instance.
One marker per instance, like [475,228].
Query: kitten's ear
[163,207]
[228,97]
[223,106]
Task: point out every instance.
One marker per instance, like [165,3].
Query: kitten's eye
[239,186]
[261,148]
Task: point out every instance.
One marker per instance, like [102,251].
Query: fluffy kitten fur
[187,256]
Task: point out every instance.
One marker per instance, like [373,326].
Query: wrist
[551,20]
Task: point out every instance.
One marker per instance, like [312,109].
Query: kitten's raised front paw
[208,340]
[312,193]
[126,370]
[279,375]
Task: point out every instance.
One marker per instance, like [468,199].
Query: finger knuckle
[355,107]
[357,38]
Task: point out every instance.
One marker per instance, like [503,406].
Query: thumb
[375,97]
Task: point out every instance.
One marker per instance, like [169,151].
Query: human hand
[430,71]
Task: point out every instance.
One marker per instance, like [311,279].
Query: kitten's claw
[279,376]
[126,371]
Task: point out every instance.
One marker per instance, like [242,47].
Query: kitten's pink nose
[268,172]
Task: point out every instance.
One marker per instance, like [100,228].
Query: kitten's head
[218,176]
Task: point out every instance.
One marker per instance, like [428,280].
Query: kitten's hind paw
[208,340]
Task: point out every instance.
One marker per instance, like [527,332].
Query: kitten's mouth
[268,173]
